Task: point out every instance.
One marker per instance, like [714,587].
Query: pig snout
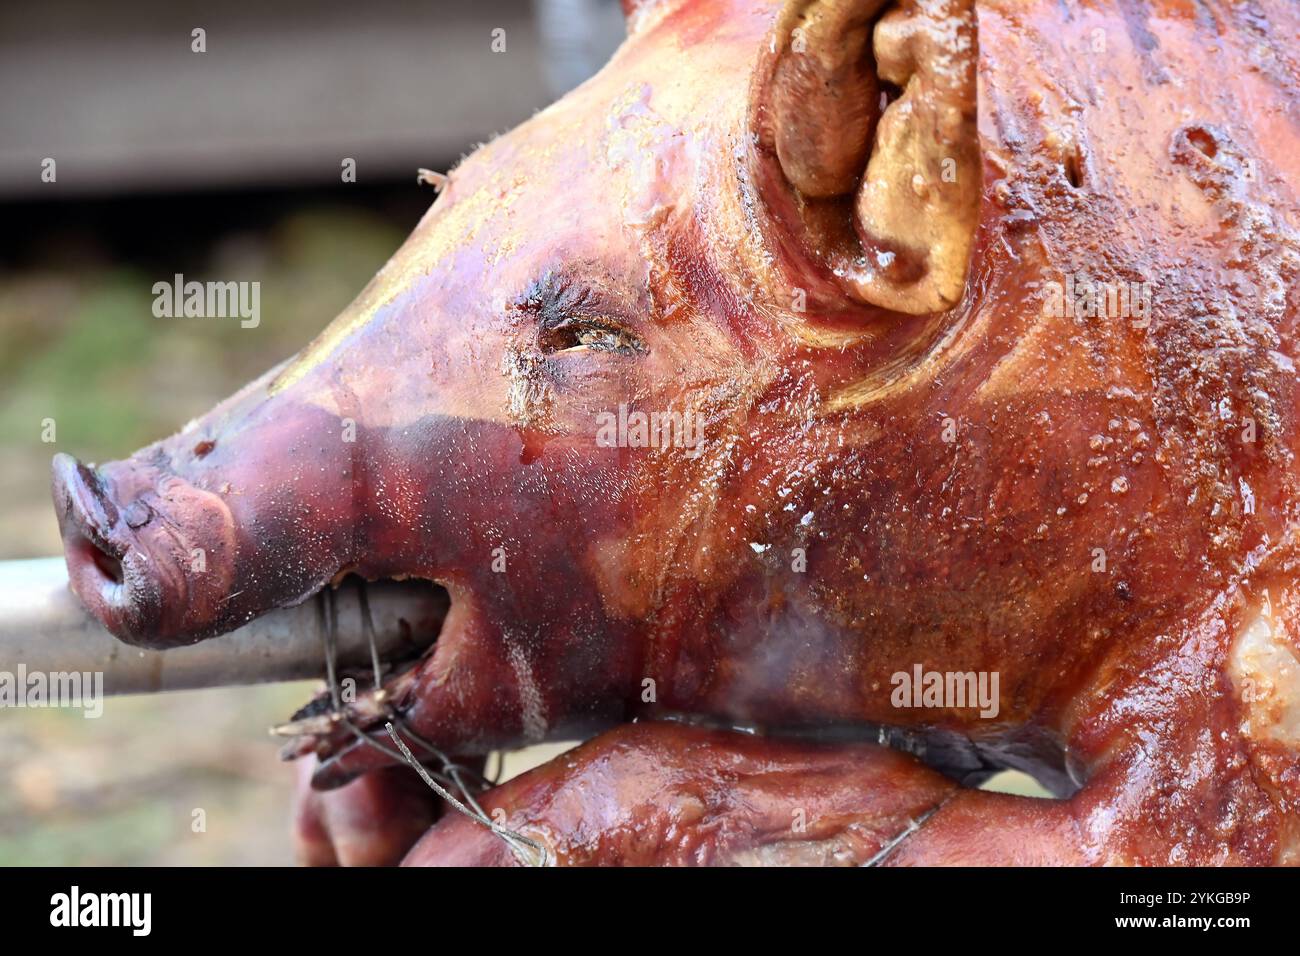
[148,553]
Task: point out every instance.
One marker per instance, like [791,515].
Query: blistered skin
[1098,508]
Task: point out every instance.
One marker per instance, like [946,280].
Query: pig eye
[575,316]
[589,335]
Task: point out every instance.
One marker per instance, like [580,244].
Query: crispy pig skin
[899,461]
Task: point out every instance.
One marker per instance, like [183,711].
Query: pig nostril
[109,566]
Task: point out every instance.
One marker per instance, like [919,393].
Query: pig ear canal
[865,121]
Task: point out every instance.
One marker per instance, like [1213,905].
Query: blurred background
[222,164]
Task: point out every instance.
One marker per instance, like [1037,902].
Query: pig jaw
[528,651]
[281,494]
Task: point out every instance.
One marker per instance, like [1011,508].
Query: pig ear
[864,116]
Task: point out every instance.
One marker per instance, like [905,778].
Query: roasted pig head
[807,356]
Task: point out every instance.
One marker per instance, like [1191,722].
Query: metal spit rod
[43,627]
